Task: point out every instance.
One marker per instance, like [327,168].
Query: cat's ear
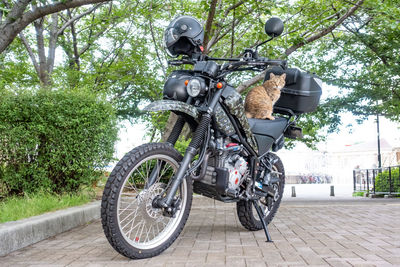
[283,76]
[271,76]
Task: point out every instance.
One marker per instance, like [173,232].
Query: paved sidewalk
[362,232]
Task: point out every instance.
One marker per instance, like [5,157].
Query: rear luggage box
[301,93]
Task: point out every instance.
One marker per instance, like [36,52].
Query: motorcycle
[148,196]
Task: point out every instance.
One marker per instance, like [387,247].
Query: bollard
[332,191]
[293,191]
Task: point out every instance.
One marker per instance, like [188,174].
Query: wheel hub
[148,212]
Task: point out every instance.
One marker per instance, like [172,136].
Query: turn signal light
[220,85]
[186,82]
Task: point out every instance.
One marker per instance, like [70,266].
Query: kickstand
[261,215]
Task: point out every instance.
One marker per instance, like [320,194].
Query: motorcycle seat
[273,128]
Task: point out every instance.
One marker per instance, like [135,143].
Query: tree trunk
[169,126]
[43,73]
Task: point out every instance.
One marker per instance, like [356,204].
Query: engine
[226,169]
[237,167]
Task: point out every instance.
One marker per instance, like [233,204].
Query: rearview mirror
[274,27]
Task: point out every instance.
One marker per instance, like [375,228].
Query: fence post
[367,182]
[293,191]
[332,191]
[373,179]
[354,180]
[390,180]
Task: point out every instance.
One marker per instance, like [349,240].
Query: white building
[339,160]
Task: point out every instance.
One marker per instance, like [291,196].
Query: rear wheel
[132,226]
[247,214]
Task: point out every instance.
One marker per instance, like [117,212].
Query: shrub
[53,140]
[382,181]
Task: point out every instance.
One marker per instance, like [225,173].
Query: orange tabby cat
[261,99]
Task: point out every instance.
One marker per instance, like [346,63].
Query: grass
[16,208]
[358,194]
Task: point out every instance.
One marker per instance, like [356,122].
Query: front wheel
[132,226]
[247,214]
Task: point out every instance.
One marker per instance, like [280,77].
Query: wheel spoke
[131,203]
[131,230]
[164,170]
[142,175]
[141,231]
[132,220]
[132,186]
[134,213]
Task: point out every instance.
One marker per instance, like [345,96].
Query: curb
[18,234]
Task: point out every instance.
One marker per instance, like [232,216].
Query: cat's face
[277,81]
[274,85]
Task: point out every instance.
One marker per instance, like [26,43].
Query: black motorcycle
[148,196]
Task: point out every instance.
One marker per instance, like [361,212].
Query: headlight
[194,87]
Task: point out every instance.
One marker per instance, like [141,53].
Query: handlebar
[235,64]
[258,62]
[180,62]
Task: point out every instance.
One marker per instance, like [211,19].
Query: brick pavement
[318,233]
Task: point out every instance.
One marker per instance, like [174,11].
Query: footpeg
[263,190]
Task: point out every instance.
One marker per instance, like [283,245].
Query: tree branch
[73,19]
[52,43]
[16,12]
[89,42]
[366,43]
[233,7]
[9,30]
[243,86]
[326,30]
[74,43]
[30,52]
[246,84]
[155,43]
[210,19]
[220,26]
[233,33]
[213,41]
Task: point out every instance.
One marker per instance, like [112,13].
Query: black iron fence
[384,180]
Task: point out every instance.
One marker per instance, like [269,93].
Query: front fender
[163,105]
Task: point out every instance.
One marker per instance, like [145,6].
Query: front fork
[168,202]
[173,137]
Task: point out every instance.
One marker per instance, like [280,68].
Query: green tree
[363,61]
[116,50]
